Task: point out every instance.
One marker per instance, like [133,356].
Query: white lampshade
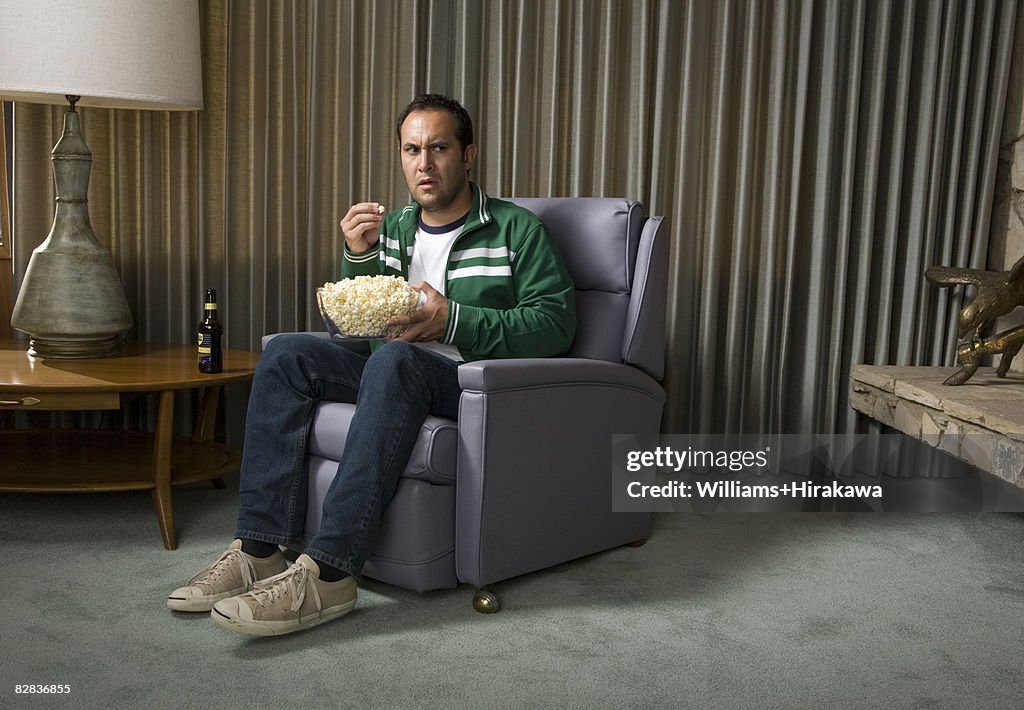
[134,54]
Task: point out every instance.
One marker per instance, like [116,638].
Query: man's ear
[469,156]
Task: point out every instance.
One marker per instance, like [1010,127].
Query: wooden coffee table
[57,460]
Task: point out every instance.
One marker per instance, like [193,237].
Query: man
[495,286]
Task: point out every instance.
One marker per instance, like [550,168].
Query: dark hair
[439,102]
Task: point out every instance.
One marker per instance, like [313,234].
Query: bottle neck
[210,304]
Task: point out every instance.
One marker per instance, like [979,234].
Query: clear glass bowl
[335,332]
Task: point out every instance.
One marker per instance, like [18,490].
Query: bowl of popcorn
[359,308]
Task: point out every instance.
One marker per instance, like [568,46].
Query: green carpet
[718,610]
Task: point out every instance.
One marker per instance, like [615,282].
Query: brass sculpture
[999,292]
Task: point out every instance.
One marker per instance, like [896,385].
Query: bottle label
[210,306]
[206,347]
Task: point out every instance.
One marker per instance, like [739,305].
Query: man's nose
[424,163]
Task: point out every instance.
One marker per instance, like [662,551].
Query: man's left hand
[427,322]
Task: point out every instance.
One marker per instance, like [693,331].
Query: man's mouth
[427,182]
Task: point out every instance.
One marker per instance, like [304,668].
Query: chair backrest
[618,258]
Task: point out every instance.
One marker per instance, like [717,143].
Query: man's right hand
[360,226]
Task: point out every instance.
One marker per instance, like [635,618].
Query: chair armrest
[494,376]
[270,336]
[360,346]
[534,479]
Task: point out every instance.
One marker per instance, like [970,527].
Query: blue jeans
[394,390]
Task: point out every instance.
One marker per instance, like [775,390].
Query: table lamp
[121,54]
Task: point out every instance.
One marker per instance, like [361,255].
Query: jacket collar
[479,213]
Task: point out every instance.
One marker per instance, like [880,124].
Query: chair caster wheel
[486,602]
[637,543]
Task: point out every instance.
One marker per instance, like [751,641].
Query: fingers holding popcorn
[360,225]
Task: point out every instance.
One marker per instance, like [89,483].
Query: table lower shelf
[77,461]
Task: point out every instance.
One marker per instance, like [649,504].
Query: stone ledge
[981,422]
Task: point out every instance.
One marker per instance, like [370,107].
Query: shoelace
[223,563]
[293,582]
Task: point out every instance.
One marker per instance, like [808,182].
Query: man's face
[434,163]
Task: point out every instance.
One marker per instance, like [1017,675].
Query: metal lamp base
[71,302]
[69,349]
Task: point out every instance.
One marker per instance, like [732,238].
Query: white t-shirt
[430,263]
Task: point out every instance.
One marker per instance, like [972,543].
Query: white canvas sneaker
[233,573]
[294,600]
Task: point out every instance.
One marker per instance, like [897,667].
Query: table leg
[203,429]
[162,469]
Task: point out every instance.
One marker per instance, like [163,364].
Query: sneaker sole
[278,628]
[197,604]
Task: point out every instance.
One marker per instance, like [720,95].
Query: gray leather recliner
[523,480]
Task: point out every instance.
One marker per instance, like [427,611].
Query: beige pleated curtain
[812,159]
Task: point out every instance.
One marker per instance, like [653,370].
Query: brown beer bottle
[210,354]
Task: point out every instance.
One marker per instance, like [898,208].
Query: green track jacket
[509,294]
